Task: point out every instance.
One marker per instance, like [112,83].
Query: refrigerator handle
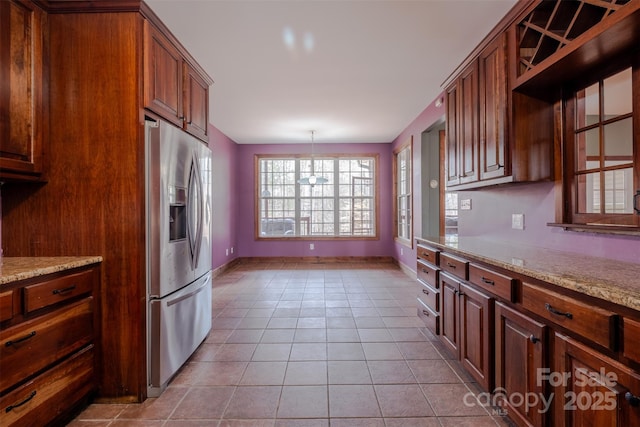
[195,212]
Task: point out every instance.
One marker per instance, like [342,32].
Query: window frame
[298,158]
[615,223]
[408,240]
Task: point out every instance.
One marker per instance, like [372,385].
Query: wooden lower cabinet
[592,390]
[450,313]
[520,355]
[48,347]
[476,335]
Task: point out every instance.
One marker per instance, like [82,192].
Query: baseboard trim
[318,260]
[219,270]
[405,269]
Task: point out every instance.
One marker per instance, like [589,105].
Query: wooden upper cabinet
[196,103]
[22,44]
[493,105]
[162,76]
[174,88]
[462,128]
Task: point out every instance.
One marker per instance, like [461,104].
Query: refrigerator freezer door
[178,324]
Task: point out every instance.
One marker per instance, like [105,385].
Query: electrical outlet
[465,205]
[401,251]
[311,246]
[227,251]
[231,249]
[517,221]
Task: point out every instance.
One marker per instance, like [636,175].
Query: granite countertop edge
[13,269]
[617,281]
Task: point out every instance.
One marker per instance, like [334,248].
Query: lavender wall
[245,196]
[224,197]
[429,116]
[490,217]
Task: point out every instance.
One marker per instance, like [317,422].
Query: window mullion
[297,202]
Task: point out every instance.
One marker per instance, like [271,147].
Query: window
[345,206]
[402,193]
[602,153]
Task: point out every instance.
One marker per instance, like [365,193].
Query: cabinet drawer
[429,296]
[6,305]
[631,332]
[428,254]
[57,290]
[33,345]
[428,274]
[47,396]
[491,281]
[457,266]
[431,319]
[593,323]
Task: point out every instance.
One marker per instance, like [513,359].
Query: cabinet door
[196,104]
[597,391]
[21,98]
[162,76]
[492,88]
[449,315]
[453,162]
[468,124]
[521,353]
[476,335]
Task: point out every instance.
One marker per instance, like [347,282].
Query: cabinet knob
[426,292]
[425,312]
[533,339]
[633,400]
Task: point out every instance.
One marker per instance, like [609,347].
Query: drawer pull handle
[425,271]
[424,254]
[633,400]
[63,290]
[19,340]
[17,405]
[533,339]
[559,313]
[451,265]
[425,312]
[488,281]
[426,292]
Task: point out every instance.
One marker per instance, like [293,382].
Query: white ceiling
[352,70]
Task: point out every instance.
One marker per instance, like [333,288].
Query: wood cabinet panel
[22,69]
[452,165]
[468,125]
[476,335]
[428,254]
[493,105]
[6,305]
[196,103]
[428,274]
[57,290]
[593,323]
[163,76]
[631,339]
[450,313]
[493,282]
[429,296]
[429,317]
[454,265]
[521,353]
[597,391]
[47,397]
[33,345]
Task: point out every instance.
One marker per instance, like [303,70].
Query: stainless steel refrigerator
[178,212]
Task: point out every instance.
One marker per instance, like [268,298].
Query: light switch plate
[465,204]
[517,221]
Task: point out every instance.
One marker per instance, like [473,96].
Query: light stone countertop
[610,280]
[20,268]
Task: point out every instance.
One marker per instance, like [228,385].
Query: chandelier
[312,179]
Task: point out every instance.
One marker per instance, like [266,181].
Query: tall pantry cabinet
[104,76]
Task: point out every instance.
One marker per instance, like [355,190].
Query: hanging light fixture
[312,179]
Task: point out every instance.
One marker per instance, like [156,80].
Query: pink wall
[430,115]
[490,217]
[224,197]
[249,247]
